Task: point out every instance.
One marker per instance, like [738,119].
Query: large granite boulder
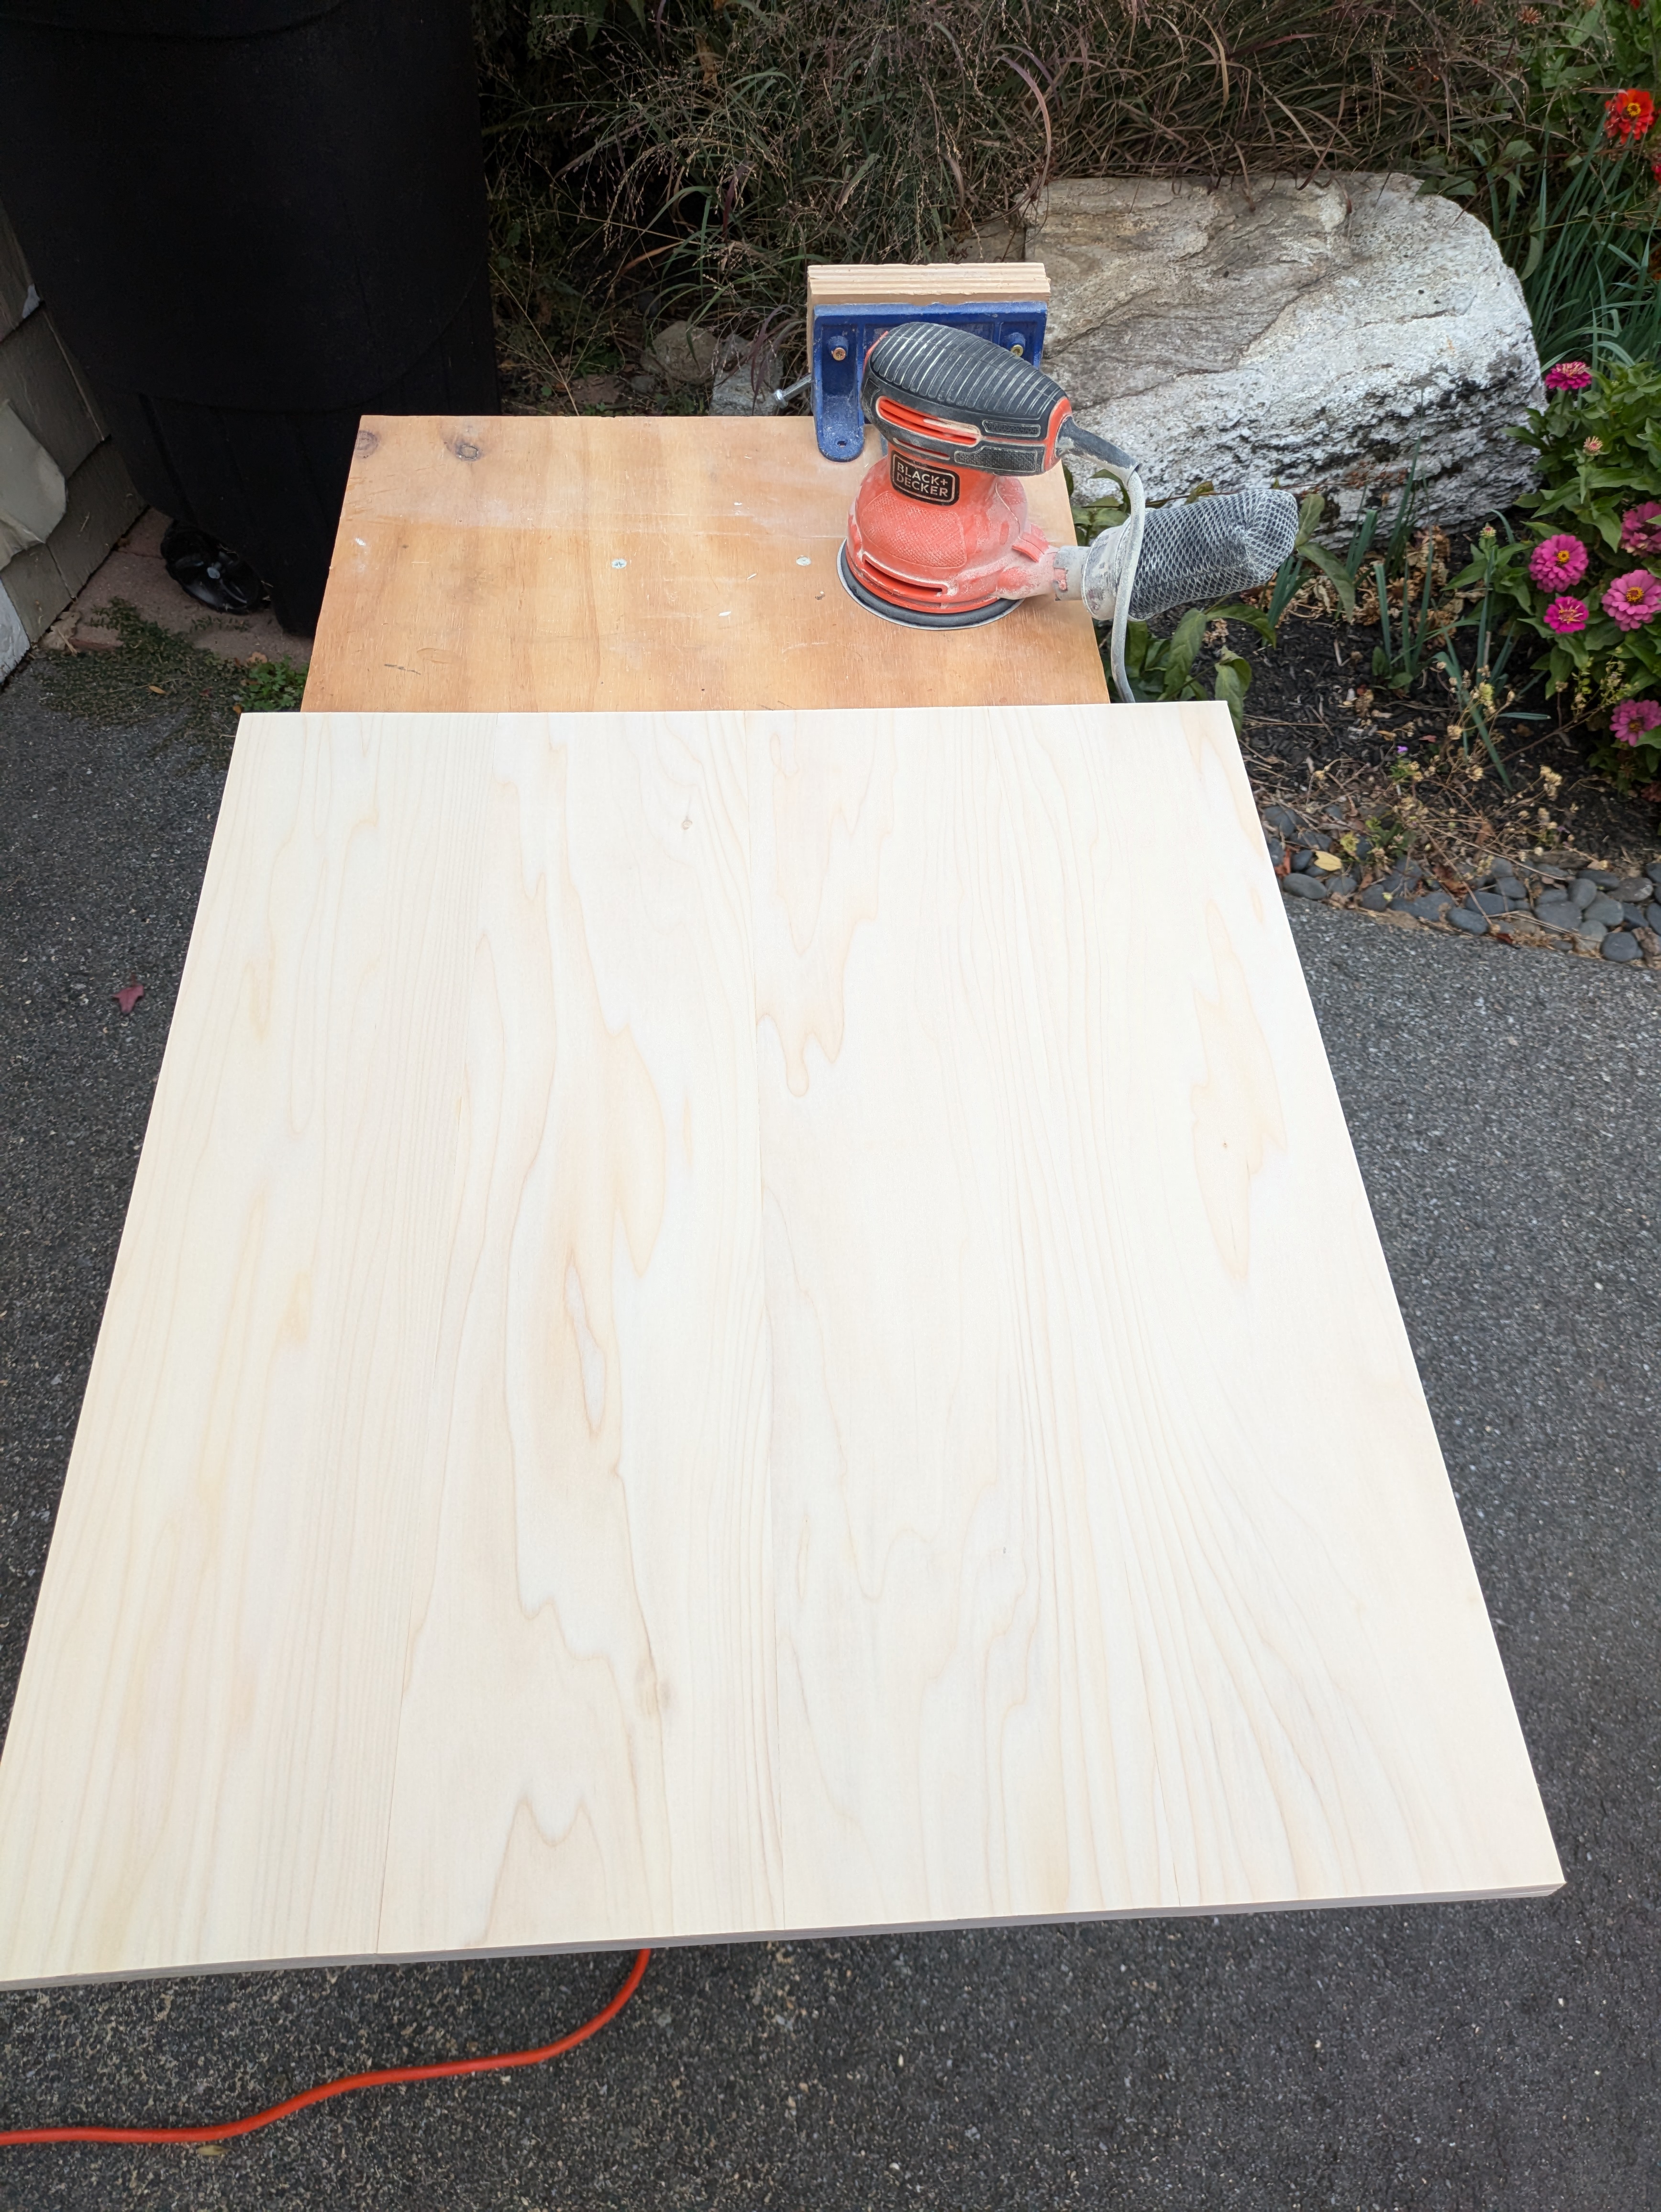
[1313,336]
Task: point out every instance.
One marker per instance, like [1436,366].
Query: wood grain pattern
[474,570]
[1062,1622]
[701,1348]
[920,285]
[595,1564]
[924,283]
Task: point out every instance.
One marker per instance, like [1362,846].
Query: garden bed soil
[1320,733]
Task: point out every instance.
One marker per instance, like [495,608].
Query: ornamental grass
[701,152]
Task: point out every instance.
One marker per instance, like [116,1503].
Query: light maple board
[515,562]
[927,284]
[704,1346]
[921,284]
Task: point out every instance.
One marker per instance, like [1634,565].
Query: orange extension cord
[377,2080]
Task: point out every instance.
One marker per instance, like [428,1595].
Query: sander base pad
[915,619]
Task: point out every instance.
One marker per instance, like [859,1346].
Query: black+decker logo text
[940,485]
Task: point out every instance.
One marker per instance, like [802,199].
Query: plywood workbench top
[703,1348]
[522,563]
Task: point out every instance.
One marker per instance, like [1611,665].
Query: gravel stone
[1301,886]
[1637,916]
[1590,932]
[1631,889]
[1509,890]
[1276,851]
[1606,910]
[1585,890]
[1489,902]
[1281,818]
[1602,877]
[1303,857]
[1376,899]
[1620,944]
[1344,882]
[1431,907]
[1466,917]
[1653,872]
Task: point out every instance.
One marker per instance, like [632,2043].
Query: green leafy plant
[1478,710]
[1633,28]
[1481,697]
[1492,653]
[1170,668]
[1399,659]
[1588,286]
[1585,581]
[1288,578]
[1105,509]
[1104,506]
[1563,179]
[1341,570]
[1388,839]
[273,687]
[1308,553]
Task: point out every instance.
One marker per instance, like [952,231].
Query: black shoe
[210,572]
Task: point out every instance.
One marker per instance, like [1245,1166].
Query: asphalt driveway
[1507,1109]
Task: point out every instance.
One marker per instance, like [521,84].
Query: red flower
[1628,116]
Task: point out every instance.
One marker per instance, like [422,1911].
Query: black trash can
[253,221]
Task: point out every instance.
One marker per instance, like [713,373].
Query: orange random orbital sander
[940,536]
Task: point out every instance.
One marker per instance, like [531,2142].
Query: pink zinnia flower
[1566,614]
[1634,598]
[1640,530]
[1559,560]
[1569,376]
[1632,718]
